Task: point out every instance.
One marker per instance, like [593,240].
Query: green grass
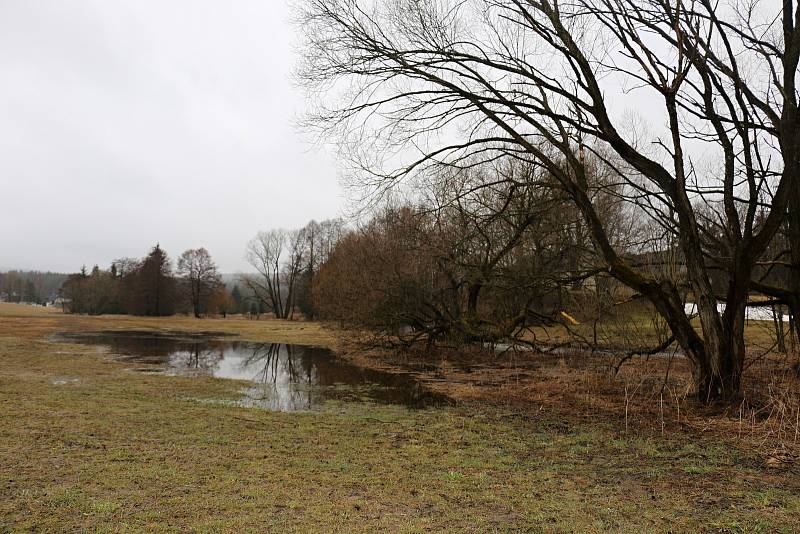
[87,446]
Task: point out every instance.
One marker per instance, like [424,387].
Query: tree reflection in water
[283,376]
[197,358]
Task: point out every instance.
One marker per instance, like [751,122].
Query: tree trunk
[794,322]
[472,300]
[780,332]
[719,375]
[794,270]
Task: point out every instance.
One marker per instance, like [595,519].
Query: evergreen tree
[155,295]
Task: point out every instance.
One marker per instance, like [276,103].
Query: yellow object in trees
[569,318]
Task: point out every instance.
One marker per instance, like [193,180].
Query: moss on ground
[87,445]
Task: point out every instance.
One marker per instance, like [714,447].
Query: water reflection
[197,359]
[282,377]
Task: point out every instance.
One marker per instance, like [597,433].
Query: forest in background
[34,287]
[284,264]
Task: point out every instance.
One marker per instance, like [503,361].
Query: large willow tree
[692,105]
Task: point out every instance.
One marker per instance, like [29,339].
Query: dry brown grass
[86,445]
[647,394]
[36,321]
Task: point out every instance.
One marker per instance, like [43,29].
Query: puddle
[282,377]
[63,381]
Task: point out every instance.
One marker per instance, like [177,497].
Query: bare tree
[318,239]
[296,248]
[541,81]
[201,278]
[264,253]
[277,256]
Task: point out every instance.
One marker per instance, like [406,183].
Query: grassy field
[86,445]
[631,325]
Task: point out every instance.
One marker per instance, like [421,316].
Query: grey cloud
[127,123]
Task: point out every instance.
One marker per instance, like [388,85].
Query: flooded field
[280,377]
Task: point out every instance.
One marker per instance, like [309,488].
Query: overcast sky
[123,124]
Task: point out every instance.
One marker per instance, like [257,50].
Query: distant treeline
[285,264]
[30,286]
[151,287]
[461,263]
[484,268]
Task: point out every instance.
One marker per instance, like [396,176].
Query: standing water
[280,377]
